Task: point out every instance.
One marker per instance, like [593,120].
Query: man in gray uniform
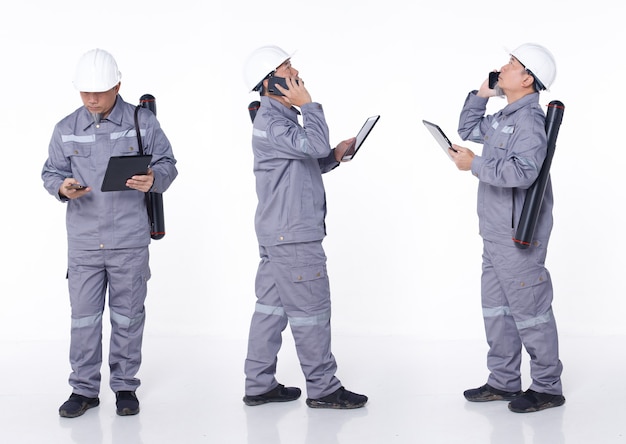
[108,232]
[291,285]
[516,286]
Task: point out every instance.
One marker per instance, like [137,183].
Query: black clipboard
[360,138]
[440,137]
[122,168]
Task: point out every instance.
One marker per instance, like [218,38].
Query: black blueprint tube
[157,215]
[534,195]
[253,108]
[154,201]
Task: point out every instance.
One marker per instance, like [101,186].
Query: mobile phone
[75,186]
[493,79]
[273,81]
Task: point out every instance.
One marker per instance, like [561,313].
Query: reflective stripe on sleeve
[259,133]
[304,144]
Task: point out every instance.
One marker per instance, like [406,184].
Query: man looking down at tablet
[516,289]
[108,232]
[291,285]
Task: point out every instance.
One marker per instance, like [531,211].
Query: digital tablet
[122,168]
[440,137]
[360,138]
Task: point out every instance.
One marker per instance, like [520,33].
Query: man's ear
[528,81]
[263,91]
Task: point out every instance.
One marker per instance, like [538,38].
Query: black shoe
[488,393]
[127,403]
[76,405]
[339,399]
[278,394]
[532,401]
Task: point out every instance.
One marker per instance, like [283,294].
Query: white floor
[192,389]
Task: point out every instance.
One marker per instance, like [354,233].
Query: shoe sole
[328,405]
[254,402]
[127,412]
[544,406]
[494,398]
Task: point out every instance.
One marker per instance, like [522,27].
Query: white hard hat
[96,72]
[262,62]
[539,61]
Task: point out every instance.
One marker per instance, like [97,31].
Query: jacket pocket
[80,158]
[501,138]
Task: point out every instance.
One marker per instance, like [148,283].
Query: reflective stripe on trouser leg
[505,346]
[294,278]
[86,355]
[265,336]
[517,293]
[87,283]
[545,367]
[316,359]
[128,272]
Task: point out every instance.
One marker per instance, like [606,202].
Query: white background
[403,248]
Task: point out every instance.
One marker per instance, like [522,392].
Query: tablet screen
[122,168]
[439,136]
[360,137]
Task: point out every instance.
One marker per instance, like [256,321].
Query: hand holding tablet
[360,138]
[122,168]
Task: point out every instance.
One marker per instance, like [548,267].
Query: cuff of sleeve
[473,98]
[312,105]
[477,165]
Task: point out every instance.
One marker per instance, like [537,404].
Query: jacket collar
[290,113]
[115,116]
[529,99]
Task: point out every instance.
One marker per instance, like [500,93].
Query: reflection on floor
[192,389]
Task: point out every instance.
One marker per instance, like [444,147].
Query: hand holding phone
[493,79]
[273,81]
[75,186]
[72,190]
[297,95]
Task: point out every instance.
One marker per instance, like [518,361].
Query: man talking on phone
[292,285]
[516,289]
[108,232]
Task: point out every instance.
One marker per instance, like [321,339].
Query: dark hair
[537,85]
[259,86]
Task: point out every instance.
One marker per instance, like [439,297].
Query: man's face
[286,70]
[513,75]
[100,102]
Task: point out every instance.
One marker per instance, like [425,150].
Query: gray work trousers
[125,273]
[292,287]
[517,310]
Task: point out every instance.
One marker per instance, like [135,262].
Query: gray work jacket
[81,149]
[514,148]
[289,160]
